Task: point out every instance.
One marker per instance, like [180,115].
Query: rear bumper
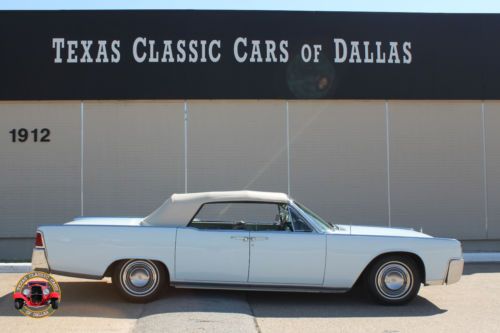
[455,270]
[39,260]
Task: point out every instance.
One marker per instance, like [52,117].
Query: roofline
[180,208]
[242,195]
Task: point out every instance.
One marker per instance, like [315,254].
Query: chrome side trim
[39,260]
[77,275]
[253,287]
[455,270]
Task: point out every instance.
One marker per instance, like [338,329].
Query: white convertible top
[179,209]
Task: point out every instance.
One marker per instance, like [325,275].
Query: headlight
[26,292]
[46,291]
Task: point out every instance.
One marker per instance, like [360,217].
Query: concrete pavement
[472,305]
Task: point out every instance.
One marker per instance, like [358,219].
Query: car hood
[113,221]
[379,231]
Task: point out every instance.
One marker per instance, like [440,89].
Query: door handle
[242,238]
[258,238]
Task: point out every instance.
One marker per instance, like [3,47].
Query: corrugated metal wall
[425,164]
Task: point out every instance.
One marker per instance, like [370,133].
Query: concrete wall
[424,164]
[338,162]
[436,167]
[133,156]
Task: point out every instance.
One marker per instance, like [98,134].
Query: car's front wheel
[140,280]
[393,280]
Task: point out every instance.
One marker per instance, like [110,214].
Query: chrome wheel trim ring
[394,280]
[139,278]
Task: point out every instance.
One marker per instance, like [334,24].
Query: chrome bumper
[455,270]
[39,260]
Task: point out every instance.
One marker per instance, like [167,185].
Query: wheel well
[114,264]
[416,258]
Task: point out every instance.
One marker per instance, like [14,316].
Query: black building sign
[46,55]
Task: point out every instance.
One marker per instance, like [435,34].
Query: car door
[211,255]
[291,255]
[215,245]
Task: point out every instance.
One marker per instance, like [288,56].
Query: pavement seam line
[257,327]
[138,318]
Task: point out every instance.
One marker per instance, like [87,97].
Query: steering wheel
[287,226]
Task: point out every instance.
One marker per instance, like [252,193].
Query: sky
[430,6]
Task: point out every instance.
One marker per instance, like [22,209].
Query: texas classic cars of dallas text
[245,240]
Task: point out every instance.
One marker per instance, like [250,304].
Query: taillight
[39,239]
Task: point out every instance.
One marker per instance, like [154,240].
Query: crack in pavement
[252,312]
[133,328]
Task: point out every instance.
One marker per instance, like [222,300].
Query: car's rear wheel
[393,280]
[140,280]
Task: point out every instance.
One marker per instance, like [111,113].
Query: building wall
[133,156]
[338,161]
[433,165]
[39,182]
[436,167]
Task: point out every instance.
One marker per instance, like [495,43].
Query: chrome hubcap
[139,277]
[394,280]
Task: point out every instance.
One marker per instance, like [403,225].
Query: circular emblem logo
[37,295]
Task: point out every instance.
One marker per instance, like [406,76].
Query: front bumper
[39,260]
[455,270]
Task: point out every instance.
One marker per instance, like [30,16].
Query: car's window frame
[289,206]
[189,225]
[305,220]
[316,226]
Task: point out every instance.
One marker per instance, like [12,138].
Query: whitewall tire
[393,280]
[140,280]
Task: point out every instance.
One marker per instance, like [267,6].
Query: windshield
[318,221]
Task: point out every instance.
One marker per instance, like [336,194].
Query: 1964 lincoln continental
[245,240]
